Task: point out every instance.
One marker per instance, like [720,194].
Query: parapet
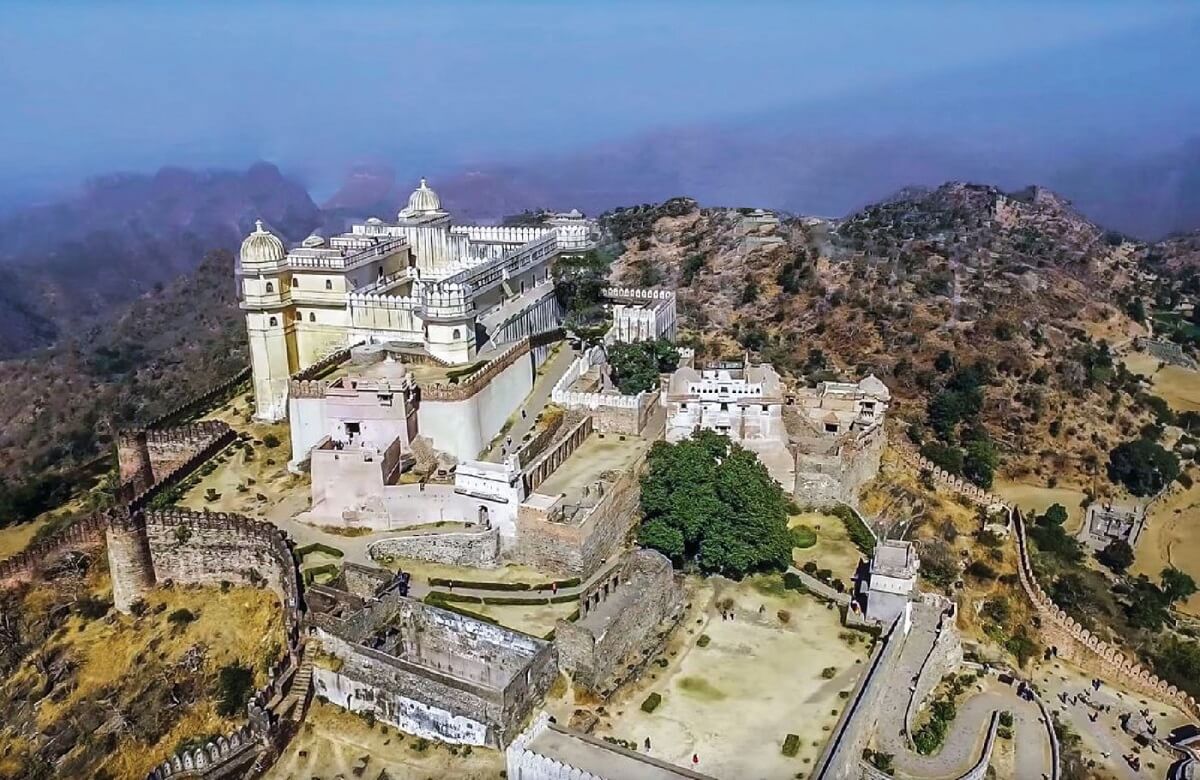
[472,384]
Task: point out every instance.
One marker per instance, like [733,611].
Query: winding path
[966,737]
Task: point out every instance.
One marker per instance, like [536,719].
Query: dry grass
[116,658]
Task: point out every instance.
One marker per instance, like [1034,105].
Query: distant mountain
[71,263]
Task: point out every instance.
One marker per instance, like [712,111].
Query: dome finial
[258,228]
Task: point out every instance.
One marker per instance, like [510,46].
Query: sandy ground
[14,538]
[1105,734]
[594,457]
[833,550]
[733,702]
[1172,538]
[332,742]
[1026,496]
[536,620]
[1178,386]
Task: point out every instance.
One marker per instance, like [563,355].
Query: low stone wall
[476,549]
[945,656]
[88,532]
[473,383]
[951,482]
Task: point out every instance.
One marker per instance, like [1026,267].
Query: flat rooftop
[600,758]
[598,454]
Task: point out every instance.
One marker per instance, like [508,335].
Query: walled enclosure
[431,672]
[623,616]
[825,478]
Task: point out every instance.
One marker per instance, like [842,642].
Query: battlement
[472,384]
[307,388]
[489,234]
[326,364]
[637,294]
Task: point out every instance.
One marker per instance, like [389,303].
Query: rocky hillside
[71,264]
[944,293]
[58,407]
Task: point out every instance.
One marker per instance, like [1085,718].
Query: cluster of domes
[262,246]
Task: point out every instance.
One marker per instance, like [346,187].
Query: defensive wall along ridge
[1073,641]
[147,548]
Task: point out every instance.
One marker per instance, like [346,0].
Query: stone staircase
[294,704]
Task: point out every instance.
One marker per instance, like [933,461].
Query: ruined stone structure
[445,291]
[1166,351]
[837,437]
[624,616]
[428,671]
[546,751]
[1106,523]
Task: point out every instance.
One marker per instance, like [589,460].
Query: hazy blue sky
[88,88]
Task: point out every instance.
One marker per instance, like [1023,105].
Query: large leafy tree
[708,500]
[635,367]
[1142,466]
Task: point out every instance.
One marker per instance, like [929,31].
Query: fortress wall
[82,534]
[464,418]
[1073,641]
[171,448]
[203,401]
[480,550]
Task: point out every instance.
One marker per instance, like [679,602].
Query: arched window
[457,334]
[295,281]
[379,275]
[312,317]
[299,316]
[328,284]
[274,322]
[270,287]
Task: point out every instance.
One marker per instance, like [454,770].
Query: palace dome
[423,199]
[262,246]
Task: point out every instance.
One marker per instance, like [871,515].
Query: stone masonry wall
[598,658]
[581,547]
[476,549]
[836,477]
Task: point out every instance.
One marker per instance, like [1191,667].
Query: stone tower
[129,561]
[268,314]
[133,462]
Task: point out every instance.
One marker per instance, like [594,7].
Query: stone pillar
[133,461]
[129,562]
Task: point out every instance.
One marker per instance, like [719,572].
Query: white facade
[419,281]
[744,403]
[499,488]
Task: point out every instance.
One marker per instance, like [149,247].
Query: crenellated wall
[1061,631]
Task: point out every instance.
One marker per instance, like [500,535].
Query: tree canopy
[708,500]
[1142,466]
[635,367]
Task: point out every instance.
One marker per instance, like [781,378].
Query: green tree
[1117,555]
[1055,514]
[711,501]
[579,283]
[1142,466]
[633,368]
[1177,585]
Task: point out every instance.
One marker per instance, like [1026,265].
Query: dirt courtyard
[833,550]
[1178,386]
[332,742]
[759,678]
[1172,538]
[1026,497]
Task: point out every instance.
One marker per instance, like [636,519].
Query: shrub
[181,617]
[703,640]
[829,672]
[791,745]
[783,615]
[803,537]
[651,703]
[792,581]
[321,548]
[809,567]
[234,686]
[92,608]
[1006,719]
